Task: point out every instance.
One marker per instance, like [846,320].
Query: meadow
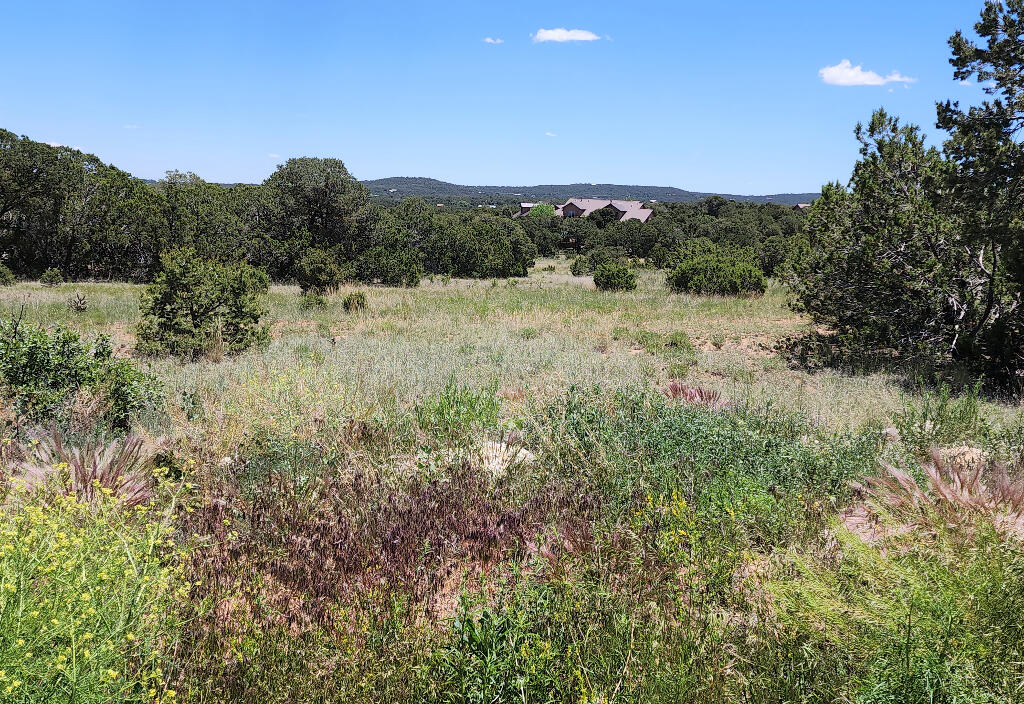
[525,490]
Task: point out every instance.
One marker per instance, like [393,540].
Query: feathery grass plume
[961,488]
[699,395]
[120,468]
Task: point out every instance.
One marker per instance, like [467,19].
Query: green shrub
[195,305]
[87,601]
[6,275]
[354,301]
[311,299]
[45,372]
[612,276]
[52,278]
[716,275]
[580,266]
[318,273]
[390,266]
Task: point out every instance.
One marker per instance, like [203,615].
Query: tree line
[63,209]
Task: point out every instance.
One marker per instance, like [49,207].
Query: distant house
[582,207]
[801,206]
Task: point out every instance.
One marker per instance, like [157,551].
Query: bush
[317,272]
[45,373]
[354,301]
[51,277]
[390,267]
[195,305]
[612,276]
[716,275]
[580,266]
[6,276]
[310,300]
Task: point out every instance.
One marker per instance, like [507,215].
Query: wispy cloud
[131,127]
[564,35]
[273,156]
[493,40]
[55,144]
[846,74]
[550,134]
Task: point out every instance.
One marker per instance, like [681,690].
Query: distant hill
[400,187]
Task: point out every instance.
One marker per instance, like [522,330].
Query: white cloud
[55,144]
[564,35]
[493,40]
[550,134]
[274,156]
[131,127]
[965,82]
[846,74]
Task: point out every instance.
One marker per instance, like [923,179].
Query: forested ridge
[398,188]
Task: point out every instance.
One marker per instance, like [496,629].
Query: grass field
[476,491]
[531,338]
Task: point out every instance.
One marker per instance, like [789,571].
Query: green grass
[476,492]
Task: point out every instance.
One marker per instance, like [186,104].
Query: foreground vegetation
[537,491]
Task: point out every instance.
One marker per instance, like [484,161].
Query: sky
[744,97]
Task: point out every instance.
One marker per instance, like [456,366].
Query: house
[801,206]
[624,209]
[582,207]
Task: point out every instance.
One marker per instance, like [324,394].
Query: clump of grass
[694,394]
[353,302]
[312,300]
[121,470]
[457,414]
[961,491]
[938,419]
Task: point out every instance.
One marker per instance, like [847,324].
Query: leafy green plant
[78,303]
[612,276]
[195,306]
[51,278]
[494,657]
[6,276]
[719,275]
[45,374]
[354,302]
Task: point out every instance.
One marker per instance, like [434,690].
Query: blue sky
[709,96]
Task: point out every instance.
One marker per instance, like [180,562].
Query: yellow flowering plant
[87,590]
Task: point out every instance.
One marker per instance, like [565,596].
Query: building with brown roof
[582,207]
